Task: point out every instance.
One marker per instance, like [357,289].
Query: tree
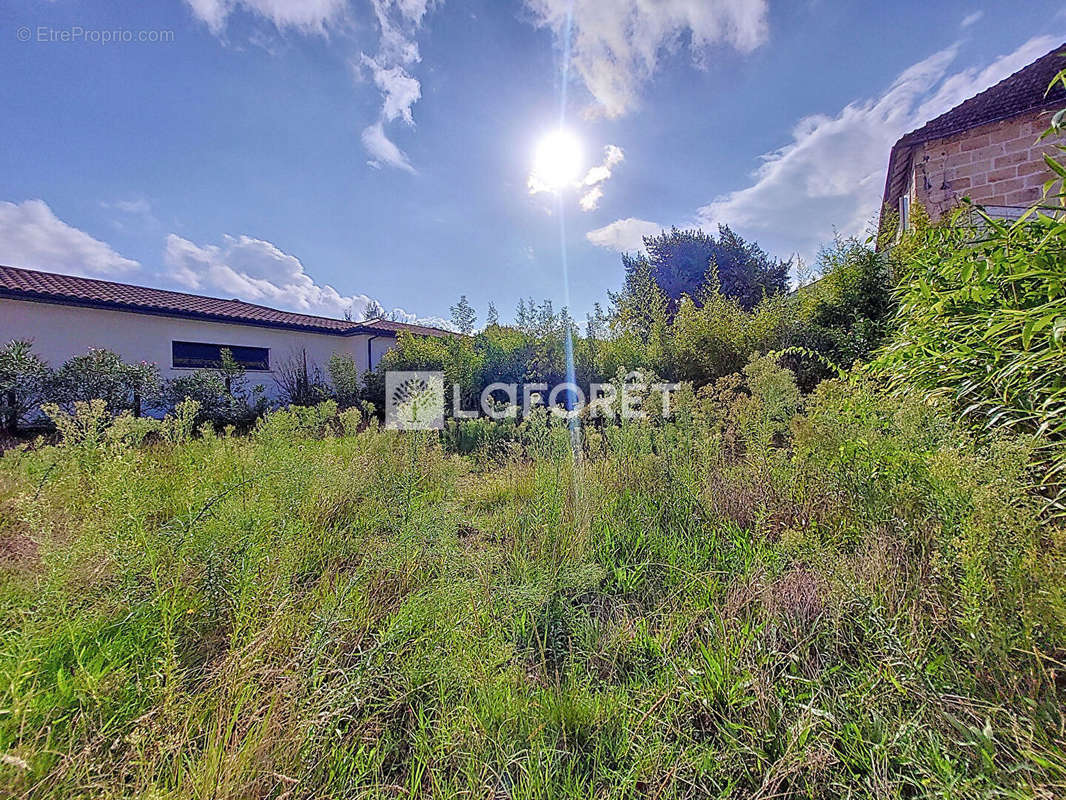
[642,304]
[463,316]
[373,310]
[678,262]
[525,314]
[492,317]
[596,323]
[691,262]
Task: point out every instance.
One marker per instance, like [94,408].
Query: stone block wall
[998,164]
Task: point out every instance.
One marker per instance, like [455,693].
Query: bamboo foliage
[982,321]
[1055,188]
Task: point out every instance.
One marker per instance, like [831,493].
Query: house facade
[64,316]
[984,148]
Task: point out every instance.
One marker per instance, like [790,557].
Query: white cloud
[616,44]
[590,185]
[399,315]
[308,16]
[395,19]
[383,150]
[400,90]
[624,235]
[971,19]
[831,175]
[966,83]
[139,206]
[591,199]
[612,157]
[398,21]
[258,271]
[31,236]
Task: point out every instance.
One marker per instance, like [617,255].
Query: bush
[221,395]
[344,375]
[982,323]
[845,315]
[720,337]
[300,380]
[486,437]
[103,375]
[24,382]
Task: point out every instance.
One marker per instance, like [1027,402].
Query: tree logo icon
[414,400]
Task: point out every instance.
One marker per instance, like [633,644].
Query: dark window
[199,355]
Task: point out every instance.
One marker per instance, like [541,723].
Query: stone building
[985,148]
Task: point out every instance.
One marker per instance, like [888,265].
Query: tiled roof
[1020,93]
[1016,94]
[50,287]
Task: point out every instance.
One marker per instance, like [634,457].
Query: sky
[321,155]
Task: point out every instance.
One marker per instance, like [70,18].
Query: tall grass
[758,599]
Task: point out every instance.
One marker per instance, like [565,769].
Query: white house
[65,315]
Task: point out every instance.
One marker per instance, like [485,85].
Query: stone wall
[998,164]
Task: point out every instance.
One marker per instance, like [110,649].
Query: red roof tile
[50,287]
[1017,94]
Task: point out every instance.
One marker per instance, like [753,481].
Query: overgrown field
[842,595]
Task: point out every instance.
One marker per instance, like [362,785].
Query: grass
[844,598]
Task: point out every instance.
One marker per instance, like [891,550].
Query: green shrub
[24,382]
[345,380]
[719,337]
[300,421]
[482,436]
[982,323]
[222,395]
[1055,188]
[844,316]
[103,375]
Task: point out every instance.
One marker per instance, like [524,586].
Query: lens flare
[558,160]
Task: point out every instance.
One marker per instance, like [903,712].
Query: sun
[557,161]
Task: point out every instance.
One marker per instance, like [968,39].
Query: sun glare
[558,160]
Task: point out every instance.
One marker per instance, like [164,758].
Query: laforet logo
[415,400]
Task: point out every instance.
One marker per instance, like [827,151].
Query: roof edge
[165,307]
[904,146]
[202,316]
[932,137]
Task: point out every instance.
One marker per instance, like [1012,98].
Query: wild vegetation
[708,330]
[836,570]
[697,337]
[772,593]
[982,320]
[832,595]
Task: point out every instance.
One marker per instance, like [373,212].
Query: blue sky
[313,155]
